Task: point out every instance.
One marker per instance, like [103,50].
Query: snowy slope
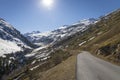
[8,47]
[10,39]
[61,33]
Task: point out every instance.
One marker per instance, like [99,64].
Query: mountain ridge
[11,39]
[50,37]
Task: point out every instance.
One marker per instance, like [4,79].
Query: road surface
[92,68]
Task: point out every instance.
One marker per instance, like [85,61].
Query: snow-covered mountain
[11,40]
[50,37]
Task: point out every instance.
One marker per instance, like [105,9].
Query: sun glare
[48,3]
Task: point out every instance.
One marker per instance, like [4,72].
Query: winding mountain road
[92,68]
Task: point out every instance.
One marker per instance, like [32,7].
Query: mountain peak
[35,32]
[60,33]
[63,27]
[5,24]
[2,19]
[88,21]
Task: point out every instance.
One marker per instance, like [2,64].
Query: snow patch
[34,67]
[91,38]
[82,43]
[7,47]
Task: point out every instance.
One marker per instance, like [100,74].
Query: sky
[32,15]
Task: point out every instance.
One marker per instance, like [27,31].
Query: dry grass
[63,71]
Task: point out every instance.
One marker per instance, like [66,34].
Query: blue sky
[30,15]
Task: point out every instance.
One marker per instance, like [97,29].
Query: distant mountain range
[11,40]
[51,37]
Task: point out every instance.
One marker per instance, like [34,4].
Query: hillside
[102,39]
[57,61]
[13,47]
[11,40]
[49,56]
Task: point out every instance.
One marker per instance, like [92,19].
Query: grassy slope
[110,34]
[63,71]
[107,42]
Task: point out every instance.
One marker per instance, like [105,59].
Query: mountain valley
[35,55]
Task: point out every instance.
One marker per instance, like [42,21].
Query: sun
[48,3]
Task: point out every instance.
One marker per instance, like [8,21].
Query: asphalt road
[92,68]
